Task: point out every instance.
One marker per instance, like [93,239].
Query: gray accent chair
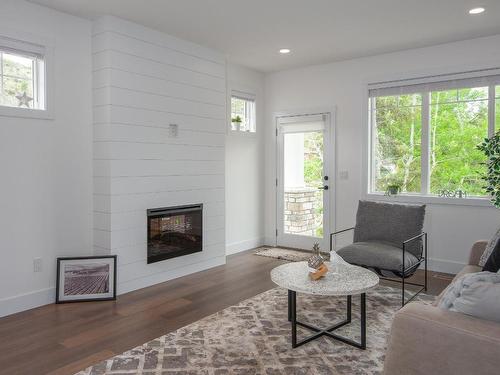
[388,239]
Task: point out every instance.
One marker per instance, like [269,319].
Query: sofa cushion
[489,248]
[493,262]
[389,222]
[379,255]
[476,294]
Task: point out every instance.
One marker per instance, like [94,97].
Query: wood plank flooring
[63,339]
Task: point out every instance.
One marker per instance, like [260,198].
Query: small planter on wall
[236,126]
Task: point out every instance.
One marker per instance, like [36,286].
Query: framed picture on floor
[91,278]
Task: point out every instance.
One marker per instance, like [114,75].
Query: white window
[424,136]
[22,75]
[243,112]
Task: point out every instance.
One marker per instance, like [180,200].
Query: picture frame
[86,278]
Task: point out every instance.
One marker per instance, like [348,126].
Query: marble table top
[342,279]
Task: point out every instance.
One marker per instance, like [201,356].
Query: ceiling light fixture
[284,51]
[478,10]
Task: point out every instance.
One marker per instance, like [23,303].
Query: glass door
[303,184]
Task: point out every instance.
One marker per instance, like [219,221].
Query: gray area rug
[253,337]
[290,255]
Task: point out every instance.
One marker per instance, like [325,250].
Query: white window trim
[22,41]
[368,166]
[246,93]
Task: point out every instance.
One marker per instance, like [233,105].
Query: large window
[243,112]
[424,137]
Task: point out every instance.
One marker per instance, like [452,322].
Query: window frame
[247,96]
[483,80]
[28,45]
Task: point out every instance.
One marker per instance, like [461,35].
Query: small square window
[243,113]
[22,77]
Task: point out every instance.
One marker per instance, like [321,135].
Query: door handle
[323,187]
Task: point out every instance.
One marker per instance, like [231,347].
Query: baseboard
[270,241]
[237,247]
[27,301]
[446,266]
[171,274]
[12,305]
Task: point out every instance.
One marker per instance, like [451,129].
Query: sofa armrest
[476,251]
[425,339]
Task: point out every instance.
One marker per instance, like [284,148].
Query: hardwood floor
[63,339]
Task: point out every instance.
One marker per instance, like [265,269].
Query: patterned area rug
[253,337]
[287,254]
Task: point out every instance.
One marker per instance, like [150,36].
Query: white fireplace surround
[143,81]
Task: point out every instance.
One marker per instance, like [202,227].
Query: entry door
[303,184]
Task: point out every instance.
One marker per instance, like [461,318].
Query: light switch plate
[37,265]
[344,175]
[173,130]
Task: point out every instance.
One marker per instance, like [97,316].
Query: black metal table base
[292,317]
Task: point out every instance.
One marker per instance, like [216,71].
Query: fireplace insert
[174,232]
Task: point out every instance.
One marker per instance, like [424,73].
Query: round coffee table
[342,279]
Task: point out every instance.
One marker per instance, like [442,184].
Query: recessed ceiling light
[284,51]
[477,10]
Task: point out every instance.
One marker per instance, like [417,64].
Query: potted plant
[393,189]
[236,122]
[491,148]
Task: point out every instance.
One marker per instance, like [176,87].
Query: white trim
[425,146]
[243,95]
[238,247]
[478,78]
[491,110]
[446,266]
[429,199]
[429,72]
[330,167]
[366,142]
[15,304]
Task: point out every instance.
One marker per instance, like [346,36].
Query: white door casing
[294,131]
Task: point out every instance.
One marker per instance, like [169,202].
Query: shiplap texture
[143,81]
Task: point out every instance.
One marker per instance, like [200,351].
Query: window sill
[26,113]
[429,199]
[240,133]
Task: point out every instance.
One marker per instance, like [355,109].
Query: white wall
[46,184]
[145,80]
[452,228]
[245,168]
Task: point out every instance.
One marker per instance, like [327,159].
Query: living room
[194,187]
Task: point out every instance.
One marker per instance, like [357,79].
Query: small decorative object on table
[317,262]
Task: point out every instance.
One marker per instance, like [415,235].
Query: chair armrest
[476,251]
[425,339]
[338,232]
[414,238]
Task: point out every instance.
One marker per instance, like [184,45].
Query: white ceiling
[250,32]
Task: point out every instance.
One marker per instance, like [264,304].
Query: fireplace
[174,232]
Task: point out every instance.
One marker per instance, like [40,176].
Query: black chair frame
[403,273]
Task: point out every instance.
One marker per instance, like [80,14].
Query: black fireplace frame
[155,212]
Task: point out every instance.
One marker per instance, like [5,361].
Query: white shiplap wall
[144,80]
